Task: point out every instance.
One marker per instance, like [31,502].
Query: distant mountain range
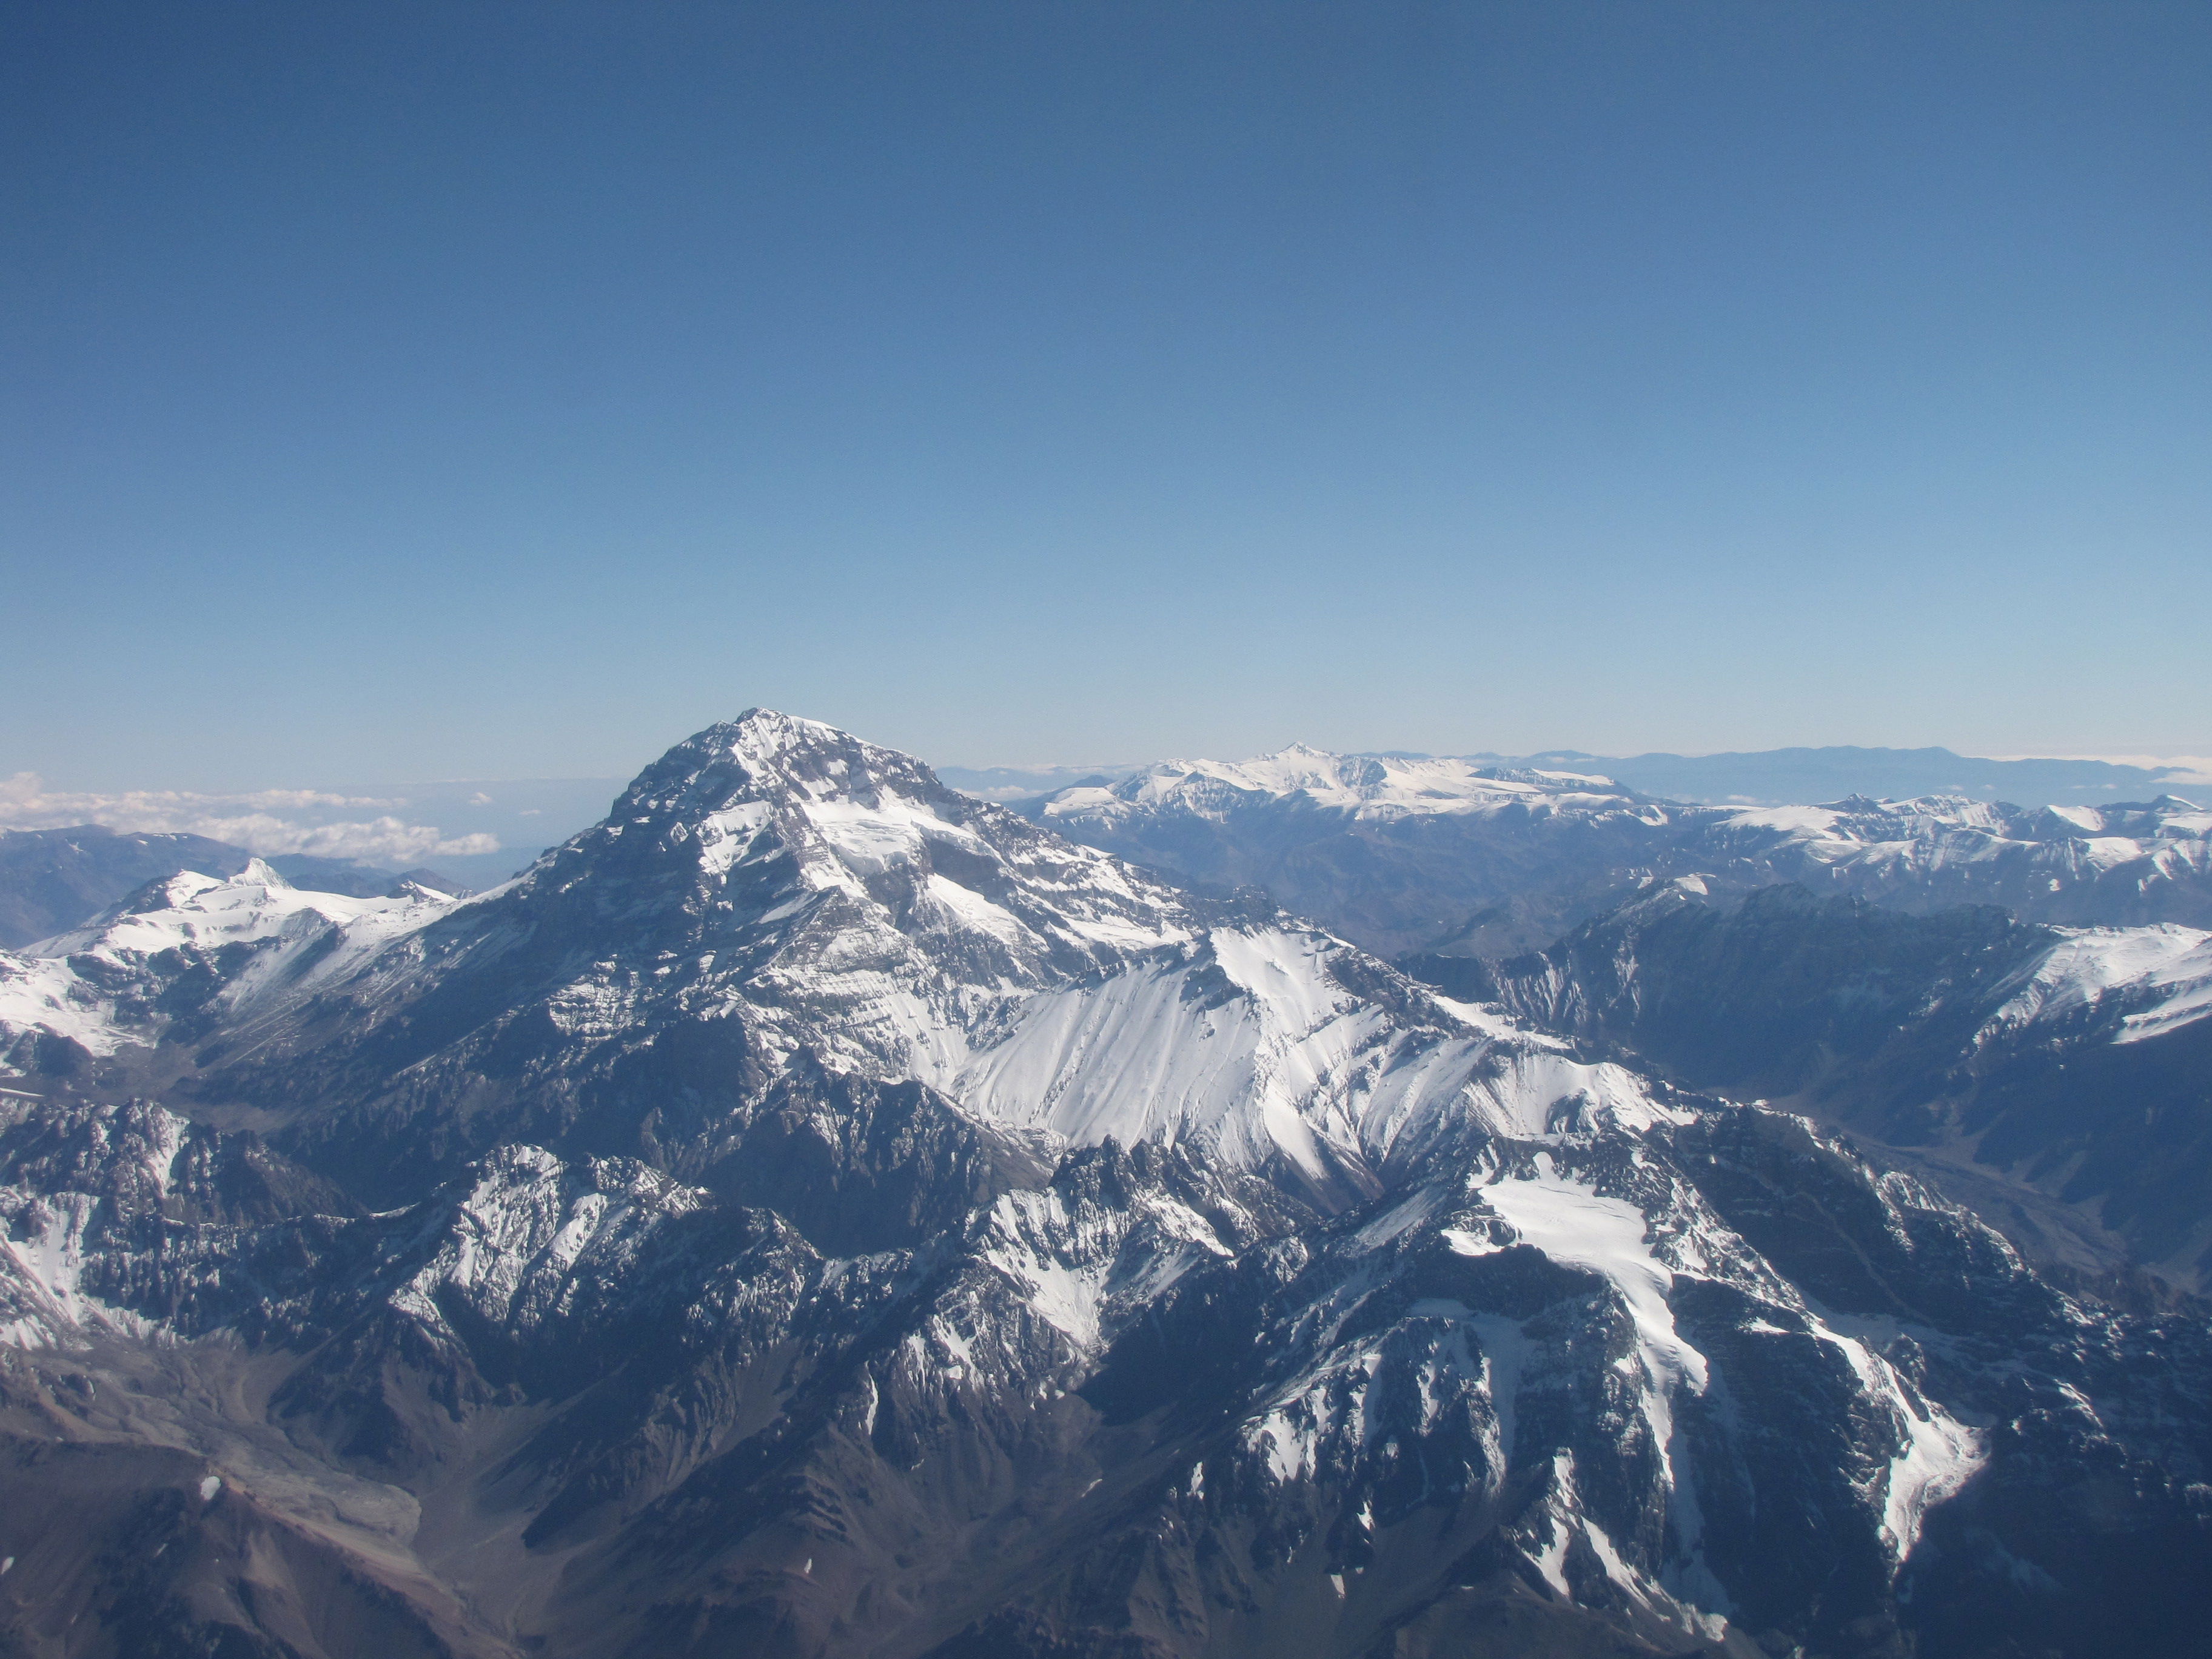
[813,1212]
[1770,777]
[1458,858]
[1778,777]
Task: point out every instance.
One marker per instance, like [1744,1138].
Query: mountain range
[1452,858]
[1766,777]
[1823,933]
[816,1212]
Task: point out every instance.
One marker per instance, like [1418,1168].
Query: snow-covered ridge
[94,985]
[1934,831]
[2160,975]
[256,904]
[1362,786]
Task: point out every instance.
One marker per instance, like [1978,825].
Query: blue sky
[405,391]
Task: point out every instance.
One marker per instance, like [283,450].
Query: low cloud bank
[267,821]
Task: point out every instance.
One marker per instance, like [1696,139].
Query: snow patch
[2167,967]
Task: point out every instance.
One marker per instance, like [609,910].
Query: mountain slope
[815,1213]
[1669,1392]
[2066,1065]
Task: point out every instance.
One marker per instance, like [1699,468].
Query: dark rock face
[720,1244]
[859,1167]
[1767,996]
[1145,1407]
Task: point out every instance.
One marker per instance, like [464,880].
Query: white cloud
[2181,768]
[268,821]
[2148,762]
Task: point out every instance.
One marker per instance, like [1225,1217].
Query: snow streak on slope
[48,1238]
[1569,1222]
[43,1302]
[1254,1044]
[1573,1224]
[2162,975]
[1398,1371]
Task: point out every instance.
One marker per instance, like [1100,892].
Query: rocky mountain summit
[816,1212]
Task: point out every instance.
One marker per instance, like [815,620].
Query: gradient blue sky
[397,391]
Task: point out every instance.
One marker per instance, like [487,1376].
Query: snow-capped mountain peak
[817,810]
[257,904]
[250,943]
[682,1250]
[827,903]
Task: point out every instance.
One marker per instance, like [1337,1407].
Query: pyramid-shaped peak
[770,744]
[766,754]
[771,730]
